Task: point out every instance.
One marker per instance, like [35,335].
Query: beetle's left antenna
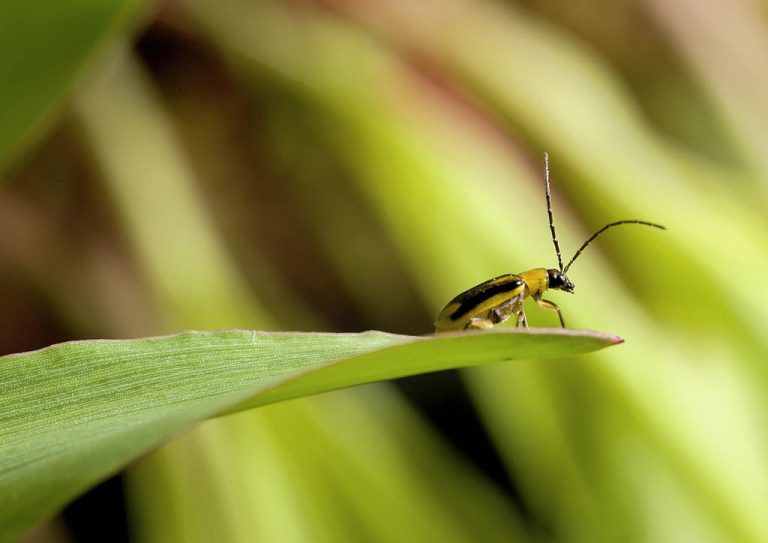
[549,212]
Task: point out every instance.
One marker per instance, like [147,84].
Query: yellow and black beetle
[497,299]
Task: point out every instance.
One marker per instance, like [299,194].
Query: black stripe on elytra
[477,295]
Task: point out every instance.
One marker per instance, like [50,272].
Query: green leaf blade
[442,352]
[73,413]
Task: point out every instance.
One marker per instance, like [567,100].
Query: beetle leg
[502,312]
[521,319]
[479,323]
[546,304]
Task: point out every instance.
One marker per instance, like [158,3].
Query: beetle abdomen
[477,301]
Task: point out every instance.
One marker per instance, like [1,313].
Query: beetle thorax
[536,281]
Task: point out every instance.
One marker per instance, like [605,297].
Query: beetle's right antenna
[603,229]
[549,212]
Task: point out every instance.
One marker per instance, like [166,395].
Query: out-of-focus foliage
[344,165]
[44,47]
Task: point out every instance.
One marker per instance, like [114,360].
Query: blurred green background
[345,165]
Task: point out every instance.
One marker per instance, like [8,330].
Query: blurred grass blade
[73,413]
[144,169]
[357,465]
[44,45]
[710,39]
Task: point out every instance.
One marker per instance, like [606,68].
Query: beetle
[497,299]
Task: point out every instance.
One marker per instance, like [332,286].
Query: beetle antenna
[549,212]
[603,229]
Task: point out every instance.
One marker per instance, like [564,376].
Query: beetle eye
[556,279]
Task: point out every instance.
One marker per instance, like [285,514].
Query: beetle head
[559,281]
